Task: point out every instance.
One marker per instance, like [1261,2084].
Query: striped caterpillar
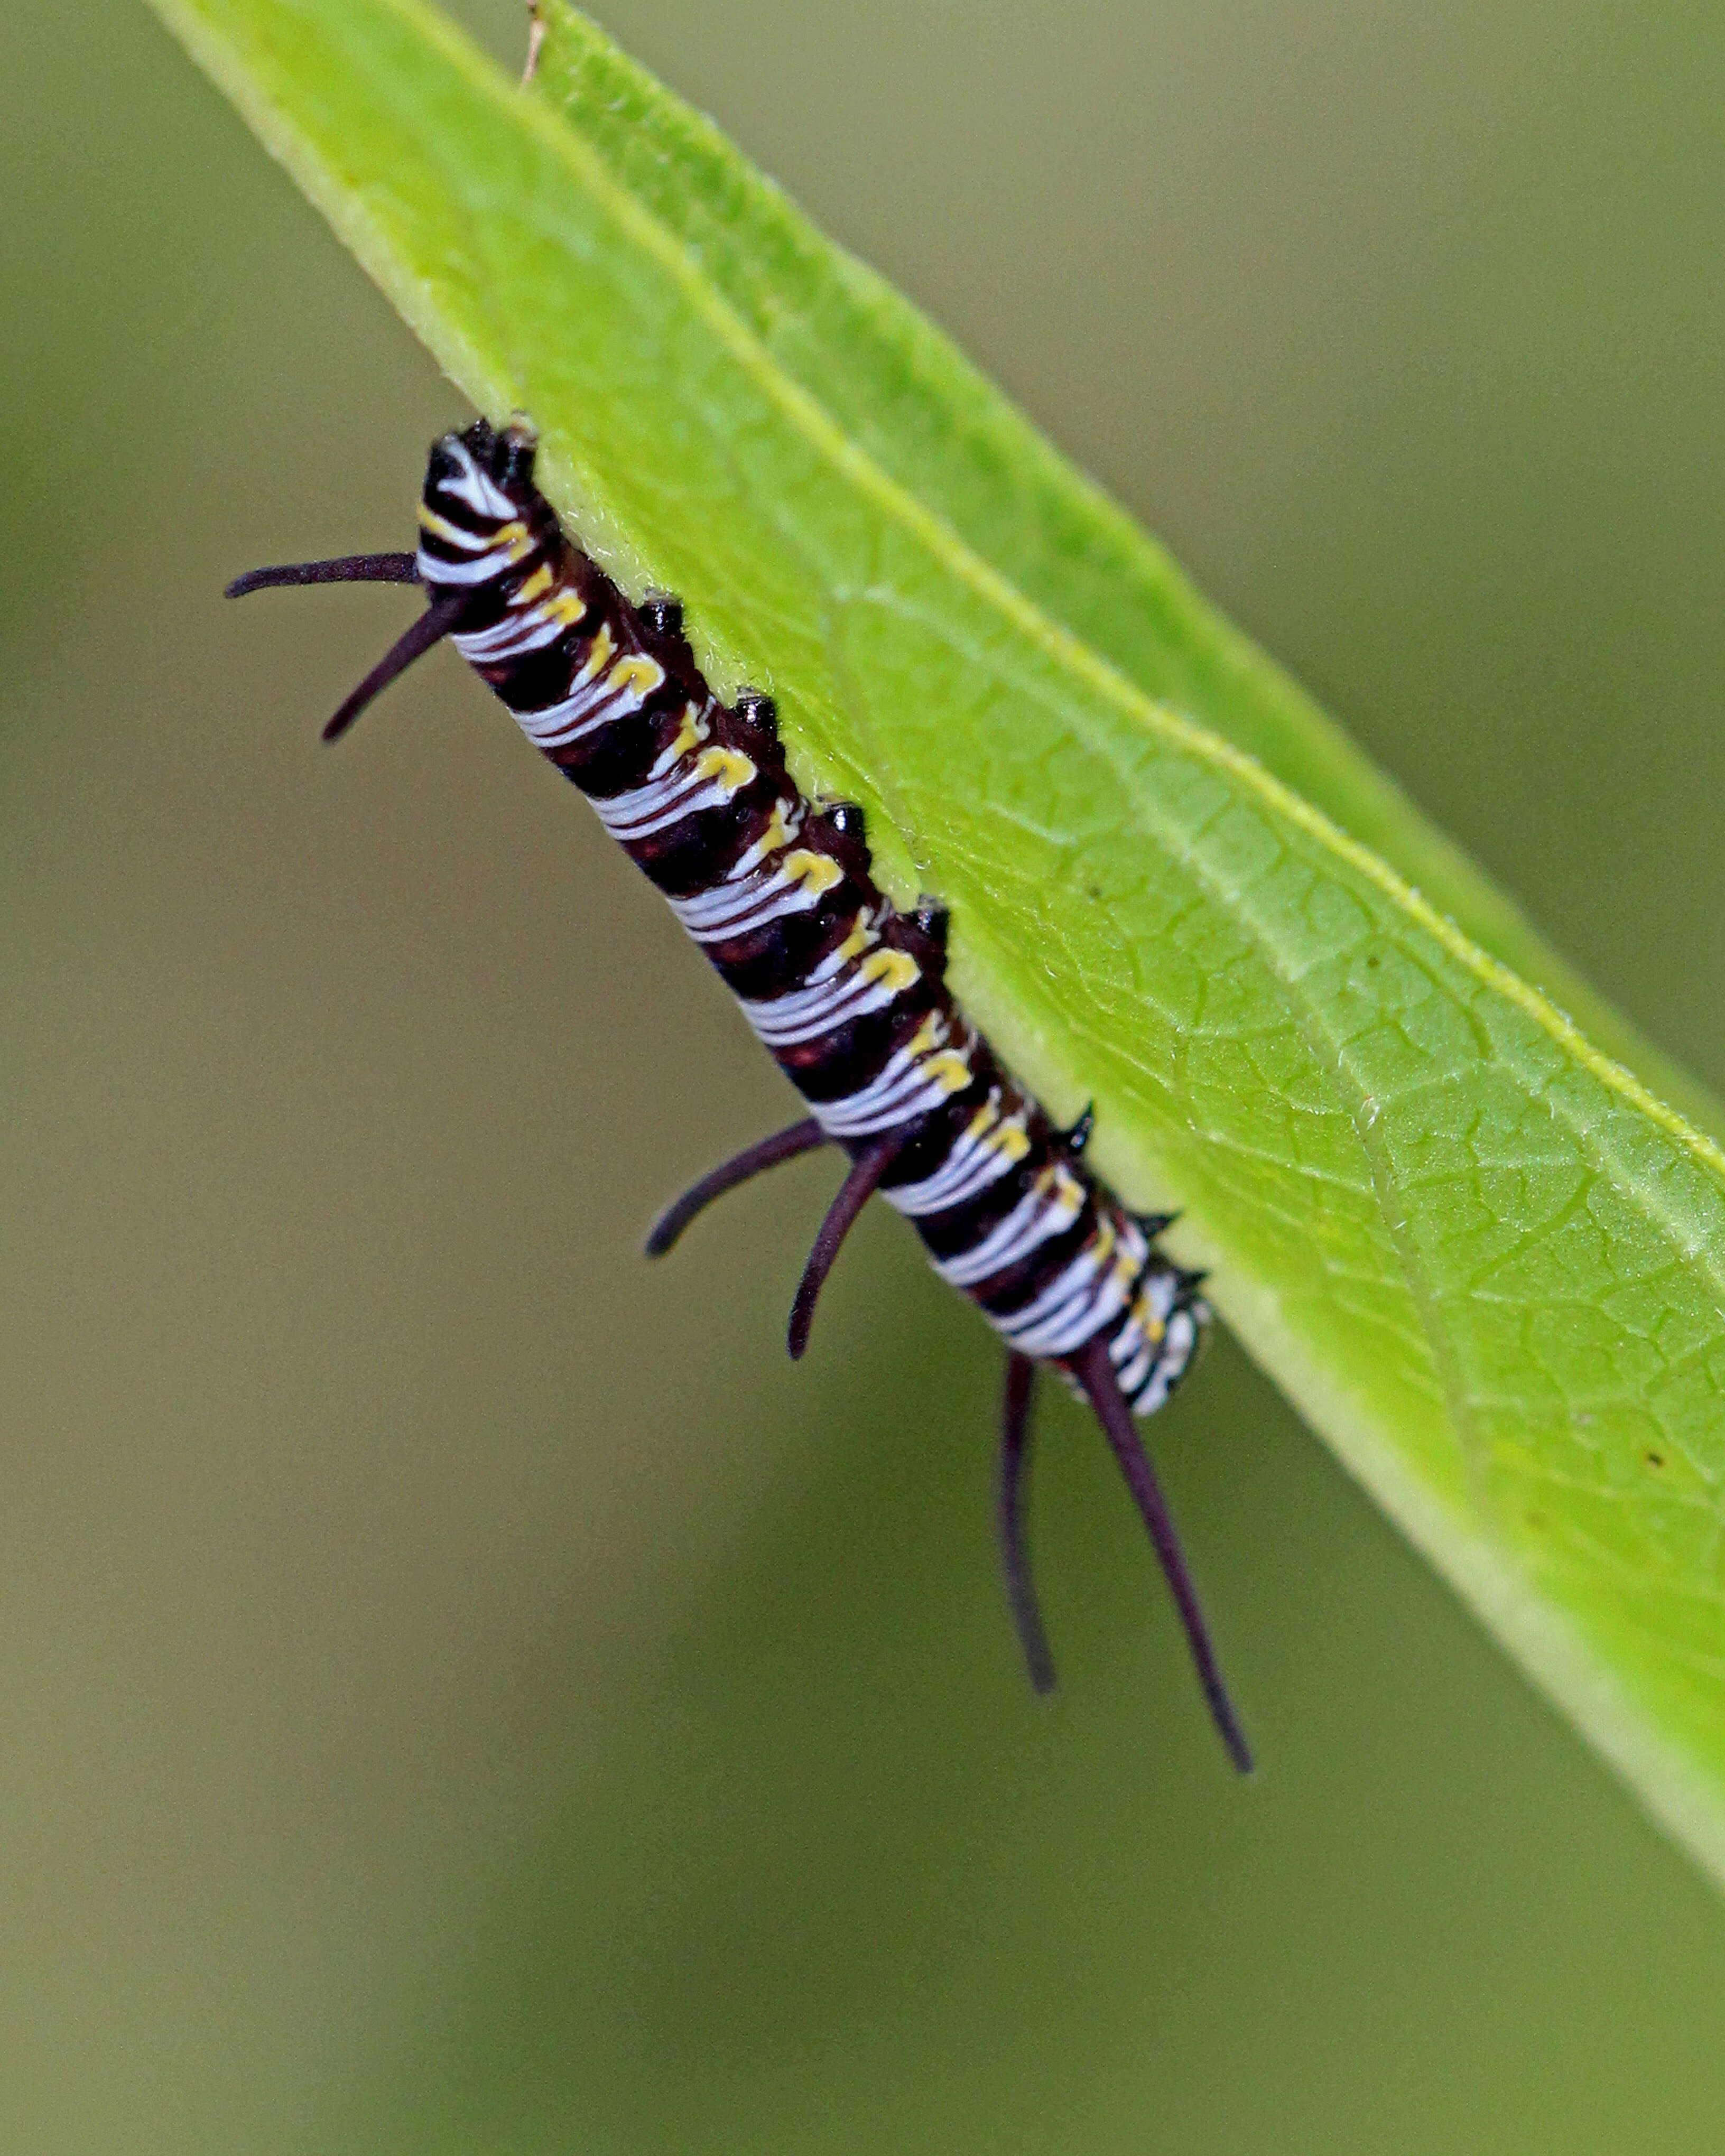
[847,992]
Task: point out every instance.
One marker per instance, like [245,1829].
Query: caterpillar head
[484,470]
[481,516]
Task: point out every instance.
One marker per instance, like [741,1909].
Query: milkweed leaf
[1486,1261]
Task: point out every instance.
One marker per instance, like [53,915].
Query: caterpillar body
[848,993]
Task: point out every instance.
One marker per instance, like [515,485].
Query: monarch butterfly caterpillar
[847,992]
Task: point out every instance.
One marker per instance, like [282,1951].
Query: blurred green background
[459,1688]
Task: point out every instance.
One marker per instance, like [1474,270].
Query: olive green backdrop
[460,1689]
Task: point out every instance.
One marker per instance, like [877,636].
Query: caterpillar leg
[858,1188]
[782,1145]
[1095,1373]
[1015,1459]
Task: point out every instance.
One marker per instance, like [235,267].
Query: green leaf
[1488,1263]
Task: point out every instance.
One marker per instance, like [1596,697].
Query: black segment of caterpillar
[847,992]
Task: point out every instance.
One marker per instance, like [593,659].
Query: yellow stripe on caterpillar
[511,535]
[731,768]
[598,658]
[949,1070]
[1058,1183]
[690,735]
[897,969]
[781,828]
[858,940]
[1154,1329]
[984,1119]
[815,872]
[643,675]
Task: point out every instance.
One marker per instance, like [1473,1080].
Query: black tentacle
[858,1188]
[1014,1556]
[344,569]
[437,621]
[1095,1373]
[752,1161]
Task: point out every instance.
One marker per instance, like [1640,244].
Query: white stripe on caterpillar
[1049,1207]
